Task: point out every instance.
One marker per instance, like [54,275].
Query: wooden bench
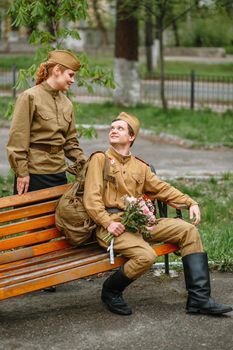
[34,255]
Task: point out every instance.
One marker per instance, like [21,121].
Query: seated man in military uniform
[103,201]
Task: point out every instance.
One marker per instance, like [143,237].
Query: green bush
[229,49]
[215,31]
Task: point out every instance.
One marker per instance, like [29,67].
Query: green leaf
[87,132]
[38,9]
[9,112]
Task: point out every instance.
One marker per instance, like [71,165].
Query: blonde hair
[45,70]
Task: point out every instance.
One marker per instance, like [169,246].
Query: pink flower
[131,199]
[141,203]
[152,219]
[146,211]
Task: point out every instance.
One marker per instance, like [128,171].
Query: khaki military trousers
[139,252]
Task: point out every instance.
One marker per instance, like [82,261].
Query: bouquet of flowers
[138,214]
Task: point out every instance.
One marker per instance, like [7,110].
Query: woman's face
[63,80]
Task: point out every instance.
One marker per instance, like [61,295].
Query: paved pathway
[75,319]
[169,160]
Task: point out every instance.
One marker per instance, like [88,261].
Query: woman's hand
[22,184]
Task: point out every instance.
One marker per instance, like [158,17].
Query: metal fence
[190,91]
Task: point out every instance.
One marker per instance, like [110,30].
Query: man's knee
[140,263]
[147,258]
[191,241]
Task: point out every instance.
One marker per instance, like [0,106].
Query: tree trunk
[126,76]
[176,33]
[100,24]
[53,24]
[149,40]
[162,79]
[6,28]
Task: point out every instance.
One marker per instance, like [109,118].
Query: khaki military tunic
[42,115]
[130,176]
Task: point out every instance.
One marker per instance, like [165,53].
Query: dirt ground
[75,318]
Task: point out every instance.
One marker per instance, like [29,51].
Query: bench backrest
[27,228]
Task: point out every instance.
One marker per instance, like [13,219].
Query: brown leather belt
[47,148]
[114,210]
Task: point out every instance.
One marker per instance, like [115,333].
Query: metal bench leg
[166,261]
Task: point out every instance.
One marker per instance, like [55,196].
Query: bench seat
[34,254]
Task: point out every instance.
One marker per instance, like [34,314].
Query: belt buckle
[54,149]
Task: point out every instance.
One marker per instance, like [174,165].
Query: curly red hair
[45,70]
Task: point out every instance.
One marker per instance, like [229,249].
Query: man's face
[64,79]
[119,133]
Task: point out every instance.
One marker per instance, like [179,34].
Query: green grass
[229,50]
[215,200]
[8,61]
[6,185]
[171,67]
[204,128]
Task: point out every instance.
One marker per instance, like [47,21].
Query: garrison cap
[65,58]
[131,120]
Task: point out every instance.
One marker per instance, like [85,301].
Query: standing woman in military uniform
[43,129]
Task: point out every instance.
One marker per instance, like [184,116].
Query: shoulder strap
[141,160]
[106,169]
[96,152]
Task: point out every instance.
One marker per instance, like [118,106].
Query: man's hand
[116,228]
[22,184]
[194,212]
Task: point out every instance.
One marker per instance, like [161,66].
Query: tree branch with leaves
[52,20]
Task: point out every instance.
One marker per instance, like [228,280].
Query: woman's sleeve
[19,136]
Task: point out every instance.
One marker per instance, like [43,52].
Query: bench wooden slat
[32,197]
[160,249]
[14,265]
[28,211]
[44,264]
[29,238]
[30,252]
[66,266]
[27,225]
[54,255]
[68,275]
[58,278]
[43,269]
[165,248]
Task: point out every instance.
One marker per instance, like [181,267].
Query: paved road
[75,319]
[169,160]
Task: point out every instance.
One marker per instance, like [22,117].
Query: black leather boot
[112,293]
[197,280]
